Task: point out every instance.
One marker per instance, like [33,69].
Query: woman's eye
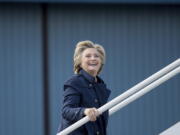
[96,56]
[88,56]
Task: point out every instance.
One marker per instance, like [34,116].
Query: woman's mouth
[92,64]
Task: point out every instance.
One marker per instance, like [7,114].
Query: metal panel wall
[139,40]
[21,108]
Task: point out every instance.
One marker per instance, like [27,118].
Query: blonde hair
[83,45]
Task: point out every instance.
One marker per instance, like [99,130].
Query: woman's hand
[92,113]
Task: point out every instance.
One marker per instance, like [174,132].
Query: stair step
[173,130]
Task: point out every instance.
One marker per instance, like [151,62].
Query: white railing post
[126,94]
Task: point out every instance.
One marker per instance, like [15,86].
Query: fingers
[92,113]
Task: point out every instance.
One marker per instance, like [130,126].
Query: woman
[85,91]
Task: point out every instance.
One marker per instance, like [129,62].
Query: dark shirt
[81,91]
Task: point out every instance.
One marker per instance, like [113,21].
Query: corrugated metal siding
[20,70]
[139,40]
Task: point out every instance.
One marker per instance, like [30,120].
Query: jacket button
[90,85]
[95,100]
[97,133]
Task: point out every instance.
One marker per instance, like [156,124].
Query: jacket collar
[87,76]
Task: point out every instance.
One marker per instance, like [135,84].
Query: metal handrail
[116,101]
[144,90]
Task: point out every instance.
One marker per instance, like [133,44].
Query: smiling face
[90,61]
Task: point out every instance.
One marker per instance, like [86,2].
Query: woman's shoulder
[74,80]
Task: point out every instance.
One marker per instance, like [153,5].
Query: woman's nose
[93,58]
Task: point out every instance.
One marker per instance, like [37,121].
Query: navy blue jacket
[81,92]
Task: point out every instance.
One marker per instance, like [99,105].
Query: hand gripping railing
[127,97]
